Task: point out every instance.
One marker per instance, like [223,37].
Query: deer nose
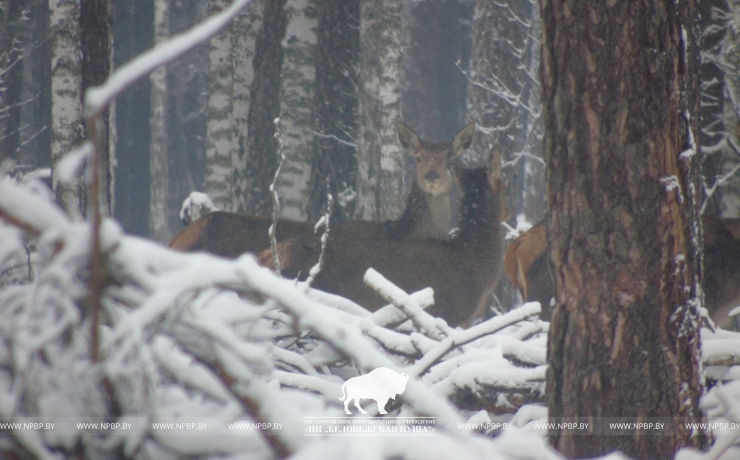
[432,176]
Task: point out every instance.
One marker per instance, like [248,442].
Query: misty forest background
[183,330]
[206,121]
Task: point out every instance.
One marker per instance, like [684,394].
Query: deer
[721,268]
[462,269]
[526,267]
[427,214]
[528,270]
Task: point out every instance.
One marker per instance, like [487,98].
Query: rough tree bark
[621,109]
[158,159]
[66,106]
[379,155]
[297,123]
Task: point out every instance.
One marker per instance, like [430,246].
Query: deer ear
[408,137]
[495,163]
[463,138]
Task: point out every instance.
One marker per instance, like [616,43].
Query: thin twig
[276,200]
[316,269]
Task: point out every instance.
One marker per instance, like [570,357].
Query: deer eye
[418,159]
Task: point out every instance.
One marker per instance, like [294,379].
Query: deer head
[434,159]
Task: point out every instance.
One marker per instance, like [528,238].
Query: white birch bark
[159,155]
[66,84]
[379,156]
[246,26]
[219,177]
[296,107]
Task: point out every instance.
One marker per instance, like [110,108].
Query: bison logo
[380,384]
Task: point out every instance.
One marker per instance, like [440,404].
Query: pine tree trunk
[159,168]
[219,183]
[66,105]
[621,112]
[296,107]
[246,26]
[379,156]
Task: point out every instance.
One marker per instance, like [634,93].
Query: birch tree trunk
[379,155]
[66,106]
[621,115]
[296,107]
[246,27]
[219,177]
[159,168]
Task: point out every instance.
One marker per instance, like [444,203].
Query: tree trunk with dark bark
[335,106]
[621,109]
[262,156]
[96,59]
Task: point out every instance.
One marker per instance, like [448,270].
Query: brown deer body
[528,270]
[428,210]
[721,267]
[462,270]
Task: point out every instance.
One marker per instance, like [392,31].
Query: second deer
[528,270]
[427,214]
[462,270]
